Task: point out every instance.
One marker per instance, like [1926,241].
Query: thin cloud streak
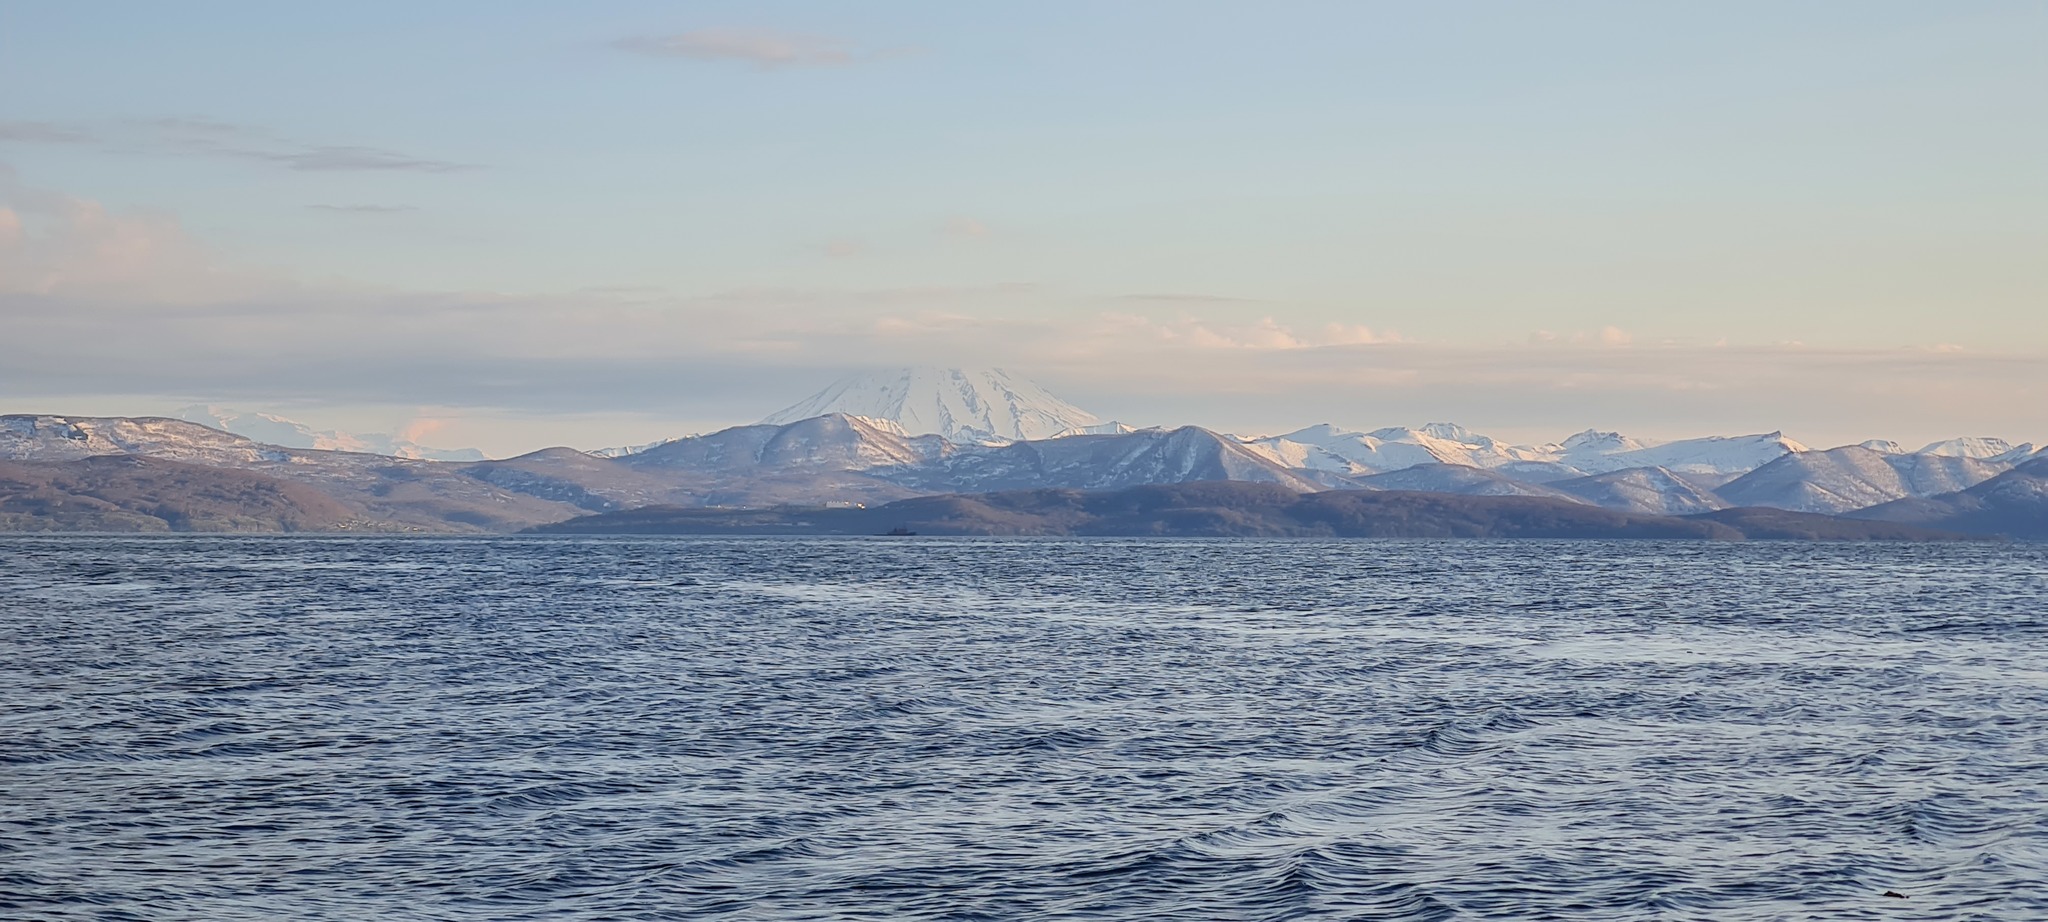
[43,133]
[193,125]
[1189,298]
[765,49]
[340,159]
[365,209]
[204,137]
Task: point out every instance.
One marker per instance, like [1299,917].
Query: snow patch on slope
[69,438]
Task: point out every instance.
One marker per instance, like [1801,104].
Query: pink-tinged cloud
[421,428]
[78,247]
[1342,334]
[966,228]
[1609,336]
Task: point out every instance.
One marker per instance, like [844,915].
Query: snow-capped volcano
[963,405]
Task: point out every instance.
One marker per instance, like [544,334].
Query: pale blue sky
[629,218]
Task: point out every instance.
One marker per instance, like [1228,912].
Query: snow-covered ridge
[69,438]
[967,406]
[1595,442]
[1982,449]
[1855,477]
[624,450]
[1327,448]
[1109,428]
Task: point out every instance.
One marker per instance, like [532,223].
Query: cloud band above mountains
[128,306]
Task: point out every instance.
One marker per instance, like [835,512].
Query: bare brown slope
[382,493]
[130,493]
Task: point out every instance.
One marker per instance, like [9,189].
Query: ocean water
[781,729]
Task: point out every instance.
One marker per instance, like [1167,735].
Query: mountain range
[969,433]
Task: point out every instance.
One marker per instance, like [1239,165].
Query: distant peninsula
[1223,509]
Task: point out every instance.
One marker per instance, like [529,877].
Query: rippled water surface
[267,728]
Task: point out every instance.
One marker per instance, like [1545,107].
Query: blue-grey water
[266,728]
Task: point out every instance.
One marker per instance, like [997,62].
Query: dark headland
[1240,510]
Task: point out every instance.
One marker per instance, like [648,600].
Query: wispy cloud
[1611,337]
[762,48]
[365,209]
[54,245]
[205,137]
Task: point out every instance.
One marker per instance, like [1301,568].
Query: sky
[510,225]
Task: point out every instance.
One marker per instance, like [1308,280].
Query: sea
[265,728]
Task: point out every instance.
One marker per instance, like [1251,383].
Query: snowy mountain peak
[964,405]
[1983,449]
[1594,441]
[1451,431]
[1883,446]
